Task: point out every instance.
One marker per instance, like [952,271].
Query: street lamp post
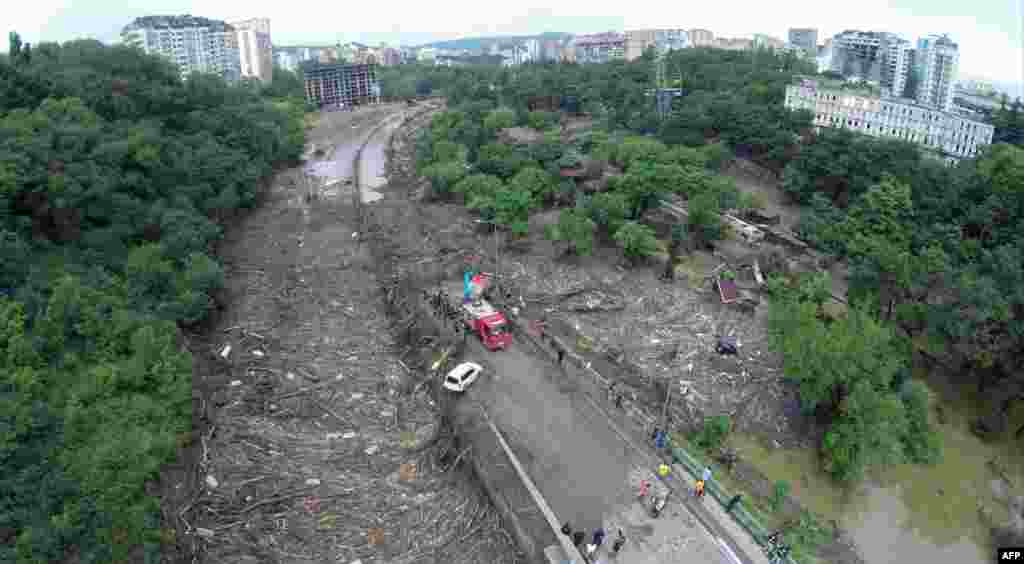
[497,255]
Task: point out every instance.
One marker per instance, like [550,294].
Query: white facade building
[937,60]
[945,134]
[533,49]
[255,49]
[192,43]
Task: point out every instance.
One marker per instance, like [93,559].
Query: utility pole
[668,397]
[497,249]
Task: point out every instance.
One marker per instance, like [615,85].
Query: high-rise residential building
[551,50]
[600,47]
[872,56]
[255,49]
[569,50]
[936,62]
[834,103]
[805,38]
[533,49]
[702,38]
[332,84]
[194,44]
[662,40]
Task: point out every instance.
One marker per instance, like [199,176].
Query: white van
[462,376]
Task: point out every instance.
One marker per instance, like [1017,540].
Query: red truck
[488,323]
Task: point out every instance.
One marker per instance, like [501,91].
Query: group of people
[578,537]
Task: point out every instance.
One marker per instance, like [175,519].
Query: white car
[462,376]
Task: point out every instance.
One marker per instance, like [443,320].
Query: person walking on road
[618,401]
[617,545]
[599,537]
[577,538]
[698,490]
[706,476]
[561,356]
[644,486]
[663,470]
[733,503]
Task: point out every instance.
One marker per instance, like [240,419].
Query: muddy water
[373,161]
[910,513]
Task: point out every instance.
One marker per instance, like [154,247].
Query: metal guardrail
[740,514]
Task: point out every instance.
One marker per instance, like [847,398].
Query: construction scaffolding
[336,84]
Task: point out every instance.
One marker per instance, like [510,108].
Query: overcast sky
[988,31]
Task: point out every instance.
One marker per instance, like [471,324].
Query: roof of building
[177,22]
[598,38]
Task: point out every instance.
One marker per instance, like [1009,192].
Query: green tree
[540,120]
[645,185]
[535,182]
[704,221]
[638,241]
[639,149]
[501,160]
[609,211]
[879,243]
[576,229]
[479,190]
[512,209]
[499,119]
[444,176]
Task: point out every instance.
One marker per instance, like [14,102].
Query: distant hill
[481,42]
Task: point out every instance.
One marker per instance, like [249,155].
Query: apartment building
[332,84]
[701,38]
[944,134]
[804,38]
[872,56]
[192,43]
[255,50]
[600,47]
[569,50]
[662,40]
[936,62]
[551,50]
[390,56]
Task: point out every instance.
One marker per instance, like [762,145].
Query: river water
[909,513]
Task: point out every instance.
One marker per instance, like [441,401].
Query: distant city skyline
[989,34]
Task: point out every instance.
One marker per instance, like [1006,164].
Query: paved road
[585,469]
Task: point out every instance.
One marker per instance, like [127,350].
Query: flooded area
[908,512]
[374,162]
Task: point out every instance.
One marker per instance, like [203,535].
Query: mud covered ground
[630,324]
[305,449]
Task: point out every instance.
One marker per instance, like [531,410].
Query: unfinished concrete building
[336,84]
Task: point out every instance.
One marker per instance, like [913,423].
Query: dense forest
[115,179]
[936,254]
